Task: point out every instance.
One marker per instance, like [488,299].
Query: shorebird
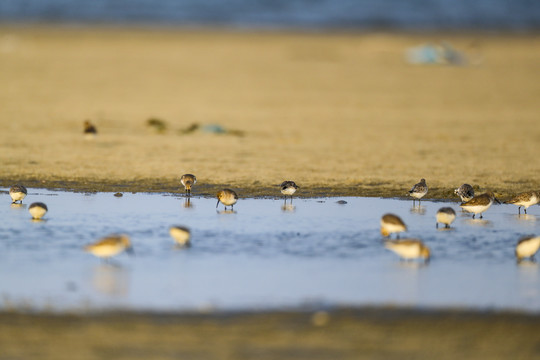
[408,249]
[227,197]
[37,210]
[17,193]
[180,234]
[110,246]
[288,188]
[419,190]
[391,223]
[480,203]
[465,192]
[188,180]
[527,247]
[525,199]
[90,130]
[445,215]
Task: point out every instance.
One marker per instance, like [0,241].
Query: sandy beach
[341,114]
[383,333]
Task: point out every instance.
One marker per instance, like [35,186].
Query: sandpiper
[525,199]
[227,197]
[90,130]
[445,215]
[480,203]
[288,188]
[408,249]
[527,247]
[110,246]
[419,190]
[188,180]
[391,223]
[37,210]
[17,193]
[465,192]
[180,234]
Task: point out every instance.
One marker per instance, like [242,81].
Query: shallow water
[261,256]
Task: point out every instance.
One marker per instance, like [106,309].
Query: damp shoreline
[156,186]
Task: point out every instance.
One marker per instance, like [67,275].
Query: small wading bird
[527,247]
[37,210]
[525,199]
[408,249]
[446,216]
[227,197]
[391,223]
[465,192]
[90,130]
[110,246]
[181,235]
[419,190]
[17,193]
[288,188]
[188,180]
[480,203]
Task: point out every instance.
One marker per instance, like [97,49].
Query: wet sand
[379,333]
[341,114]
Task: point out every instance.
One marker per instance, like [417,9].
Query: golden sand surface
[340,114]
[345,334]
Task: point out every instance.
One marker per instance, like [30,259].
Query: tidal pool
[315,253]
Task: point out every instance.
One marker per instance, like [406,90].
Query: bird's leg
[525,211]
[447,226]
[519,210]
[481,216]
[436,225]
[473,215]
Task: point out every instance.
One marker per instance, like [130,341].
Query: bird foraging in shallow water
[188,180]
[110,246]
[37,210]
[465,192]
[525,199]
[527,247]
[480,203]
[419,190]
[408,249]
[18,193]
[227,197]
[391,223]
[180,234]
[445,215]
[288,188]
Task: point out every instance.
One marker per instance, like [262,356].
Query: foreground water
[263,255]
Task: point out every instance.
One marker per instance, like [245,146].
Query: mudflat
[340,114]
[376,333]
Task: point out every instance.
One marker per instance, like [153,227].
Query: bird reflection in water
[228,211]
[110,279]
[187,203]
[18,206]
[418,209]
[288,207]
[479,222]
[525,217]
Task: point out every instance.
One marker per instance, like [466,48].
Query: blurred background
[516,15]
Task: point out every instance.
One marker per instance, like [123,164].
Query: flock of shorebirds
[408,249]
[416,249]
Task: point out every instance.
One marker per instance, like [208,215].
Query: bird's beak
[217,203]
[497,201]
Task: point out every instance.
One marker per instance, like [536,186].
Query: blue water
[303,14]
[261,256]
